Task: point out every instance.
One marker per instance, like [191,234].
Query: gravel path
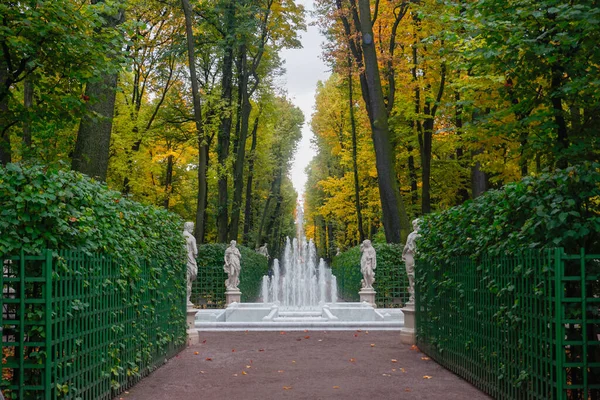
[301,365]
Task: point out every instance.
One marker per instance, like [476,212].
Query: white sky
[304,68]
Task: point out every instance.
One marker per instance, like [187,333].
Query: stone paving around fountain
[302,365]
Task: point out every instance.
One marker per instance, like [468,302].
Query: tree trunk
[248,206]
[275,192]
[224,136]
[168,181]
[93,138]
[463,193]
[559,118]
[238,174]
[391,202]
[27,104]
[202,145]
[361,233]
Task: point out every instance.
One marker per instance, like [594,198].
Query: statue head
[265,245]
[367,243]
[188,227]
[415,224]
[232,243]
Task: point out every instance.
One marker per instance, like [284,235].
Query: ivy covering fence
[523,326]
[87,327]
[391,282]
[208,290]
[498,305]
[104,306]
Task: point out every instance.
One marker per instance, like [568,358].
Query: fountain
[301,293]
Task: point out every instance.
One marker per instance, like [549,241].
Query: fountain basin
[270,316]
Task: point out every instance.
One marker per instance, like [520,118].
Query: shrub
[560,209]
[210,285]
[58,209]
[391,281]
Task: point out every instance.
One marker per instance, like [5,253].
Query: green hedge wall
[49,208]
[558,209]
[208,291]
[391,281]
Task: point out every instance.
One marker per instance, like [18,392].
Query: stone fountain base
[270,316]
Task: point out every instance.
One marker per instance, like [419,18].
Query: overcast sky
[304,68]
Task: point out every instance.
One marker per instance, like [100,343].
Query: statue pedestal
[407,333]
[233,296]
[368,295]
[193,336]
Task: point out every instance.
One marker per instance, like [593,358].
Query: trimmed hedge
[559,209]
[48,208]
[391,281]
[209,289]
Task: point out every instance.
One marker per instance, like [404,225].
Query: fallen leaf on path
[355,335]
[233,350]
[201,372]
[261,349]
[293,362]
[234,374]
[306,337]
[248,366]
[352,359]
[204,341]
[386,374]
[367,332]
[208,359]
[306,330]
[320,340]
[336,387]
[298,340]
[244,373]
[358,330]
[394,360]
[372,344]
[426,377]
[425,358]
[287,387]
[280,371]
[402,370]
[282,333]
[414,347]
[408,390]
[196,353]
[393,369]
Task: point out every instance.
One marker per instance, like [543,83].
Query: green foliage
[44,208]
[391,281]
[209,288]
[559,209]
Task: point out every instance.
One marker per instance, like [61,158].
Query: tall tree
[202,146]
[93,139]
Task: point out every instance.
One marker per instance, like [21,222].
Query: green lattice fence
[391,282]
[87,327]
[519,327]
[208,290]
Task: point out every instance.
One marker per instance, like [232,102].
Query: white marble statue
[192,253]
[408,256]
[263,250]
[232,266]
[337,251]
[368,263]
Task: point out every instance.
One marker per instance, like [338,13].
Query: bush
[209,288]
[45,208]
[559,209]
[391,281]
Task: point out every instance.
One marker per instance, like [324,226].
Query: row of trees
[171,102]
[449,98]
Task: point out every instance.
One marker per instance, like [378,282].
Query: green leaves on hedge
[58,209]
[559,209]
